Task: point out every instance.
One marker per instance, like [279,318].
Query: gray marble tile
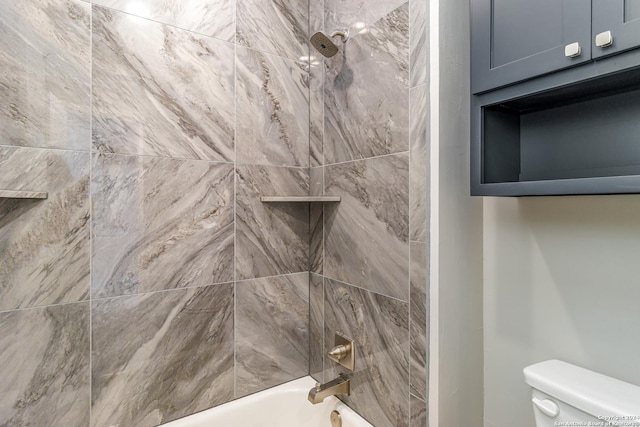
[419,48]
[366,235]
[160,356]
[419,333]
[272,331]
[316,181]
[316,16]
[211,18]
[273,110]
[316,222]
[160,224]
[45,73]
[279,27]
[366,89]
[420,158]
[419,413]
[159,90]
[44,354]
[271,239]
[380,328]
[316,109]
[356,15]
[316,327]
[44,244]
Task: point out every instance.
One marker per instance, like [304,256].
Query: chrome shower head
[325,45]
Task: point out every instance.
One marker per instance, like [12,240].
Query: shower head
[325,45]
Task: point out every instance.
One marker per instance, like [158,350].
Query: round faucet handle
[318,386]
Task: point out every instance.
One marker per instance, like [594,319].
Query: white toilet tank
[566,395]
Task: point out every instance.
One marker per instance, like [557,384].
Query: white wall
[561,280]
[456,371]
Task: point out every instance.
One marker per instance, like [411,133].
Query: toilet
[567,395]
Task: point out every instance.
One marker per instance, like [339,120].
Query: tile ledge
[300,199]
[13,194]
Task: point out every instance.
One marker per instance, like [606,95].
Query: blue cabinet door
[515,40]
[620,18]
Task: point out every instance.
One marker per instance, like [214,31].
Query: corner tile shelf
[13,194]
[300,199]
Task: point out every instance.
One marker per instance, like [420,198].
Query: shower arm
[344,35]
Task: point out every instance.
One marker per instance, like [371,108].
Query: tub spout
[340,385]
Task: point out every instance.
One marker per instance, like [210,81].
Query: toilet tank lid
[593,393]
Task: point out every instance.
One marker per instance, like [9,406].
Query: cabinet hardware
[604,39]
[572,50]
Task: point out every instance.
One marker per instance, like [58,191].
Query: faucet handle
[318,386]
[343,352]
[339,352]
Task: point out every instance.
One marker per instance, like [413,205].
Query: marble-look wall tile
[366,235]
[159,90]
[272,331]
[316,327]
[316,181]
[366,91]
[44,244]
[380,328]
[419,165]
[419,332]
[356,14]
[160,356]
[211,18]
[316,16]
[418,412]
[273,110]
[45,73]
[316,87]
[44,354]
[419,49]
[279,27]
[316,221]
[271,238]
[316,108]
[160,224]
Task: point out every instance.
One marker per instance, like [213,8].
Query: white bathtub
[283,406]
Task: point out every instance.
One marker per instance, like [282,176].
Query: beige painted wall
[561,280]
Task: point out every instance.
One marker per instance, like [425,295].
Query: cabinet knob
[604,39]
[572,50]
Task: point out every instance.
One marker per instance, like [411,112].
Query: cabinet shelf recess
[300,199]
[13,194]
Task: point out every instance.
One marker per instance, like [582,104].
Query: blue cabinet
[617,21]
[555,97]
[515,40]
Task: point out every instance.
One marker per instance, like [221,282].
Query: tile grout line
[322,192]
[42,307]
[235,201]
[91,242]
[233,41]
[410,109]
[368,158]
[160,291]
[322,345]
[418,397]
[367,290]
[410,199]
[322,289]
[92,4]
[311,234]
